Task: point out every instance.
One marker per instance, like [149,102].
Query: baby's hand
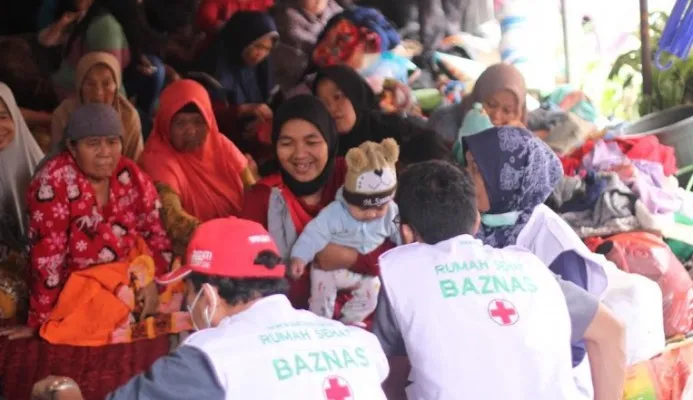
[297,268]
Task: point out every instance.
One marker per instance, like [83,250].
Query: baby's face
[368,214]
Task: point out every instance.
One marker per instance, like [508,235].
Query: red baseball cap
[227,247]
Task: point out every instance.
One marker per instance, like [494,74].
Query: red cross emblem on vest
[503,312]
[336,388]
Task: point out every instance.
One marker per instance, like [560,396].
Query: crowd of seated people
[159,124]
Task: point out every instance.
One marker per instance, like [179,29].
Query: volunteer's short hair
[423,146]
[238,291]
[437,200]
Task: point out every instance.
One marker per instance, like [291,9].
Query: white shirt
[478,322]
[273,351]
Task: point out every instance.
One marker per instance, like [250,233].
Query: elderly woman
[511,187]
[96,242]
[98,80]
[200,174]
[19,156]
[502,92]
[309,174]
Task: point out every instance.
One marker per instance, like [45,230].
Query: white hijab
[17,164]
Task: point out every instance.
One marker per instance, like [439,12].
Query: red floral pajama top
[69,231]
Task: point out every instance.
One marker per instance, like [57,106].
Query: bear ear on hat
[390,150]
[356,159]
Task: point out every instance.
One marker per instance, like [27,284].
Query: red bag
[664,377]
[647,255]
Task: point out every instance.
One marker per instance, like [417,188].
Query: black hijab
[362,98]
[371,123]
[310,109]
[224,59]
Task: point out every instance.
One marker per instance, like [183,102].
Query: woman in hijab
[236,71]
[355,110]
[19,156]
[309,174]
[95,225]
[200,174]
[98,80]
[500,89]
[514,173]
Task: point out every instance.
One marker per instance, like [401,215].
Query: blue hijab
[519,172]
[242,84]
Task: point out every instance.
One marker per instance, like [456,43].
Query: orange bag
[647,255]
[664,377]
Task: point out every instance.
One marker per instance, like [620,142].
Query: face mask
[207,313]
[498,220]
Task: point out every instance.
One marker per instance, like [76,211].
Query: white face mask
[207,313]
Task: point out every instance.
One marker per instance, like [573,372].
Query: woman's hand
[41,389]
[171,74]
[69,17]
[148,296]
[145,67]
[263,112]
[18,332]
[257,110]
[334,256]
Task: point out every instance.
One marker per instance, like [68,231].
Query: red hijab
[208,180]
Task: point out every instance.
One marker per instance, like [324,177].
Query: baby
[362,217]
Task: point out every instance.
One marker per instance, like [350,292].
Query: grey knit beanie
[93,119]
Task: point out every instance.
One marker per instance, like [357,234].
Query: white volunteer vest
[633,298]
[272,351]
[479,323]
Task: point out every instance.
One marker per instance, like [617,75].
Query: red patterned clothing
[211,12]
[69,231]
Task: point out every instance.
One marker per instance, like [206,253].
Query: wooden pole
[646,54]
[566,40]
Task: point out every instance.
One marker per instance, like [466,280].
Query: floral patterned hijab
[519,172]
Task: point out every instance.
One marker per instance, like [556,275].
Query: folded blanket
[97,306]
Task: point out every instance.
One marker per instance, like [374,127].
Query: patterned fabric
[69,231]
[519,172]
[78,318]
[349,29]
[212,12]
[97,370]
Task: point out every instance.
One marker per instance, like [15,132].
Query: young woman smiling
[309,174]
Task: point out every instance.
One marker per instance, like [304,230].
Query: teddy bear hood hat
[371,178]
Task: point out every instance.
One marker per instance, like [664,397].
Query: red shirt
[69,231]
[212,12]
